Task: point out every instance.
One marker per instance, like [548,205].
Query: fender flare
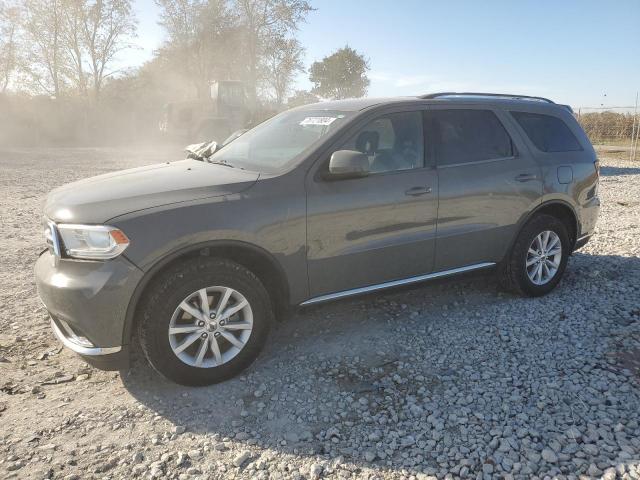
[151,272]
[525,219]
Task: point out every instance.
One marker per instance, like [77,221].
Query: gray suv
[318,203]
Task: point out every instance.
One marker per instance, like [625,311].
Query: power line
[606,108]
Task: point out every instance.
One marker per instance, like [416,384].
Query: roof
[355,104]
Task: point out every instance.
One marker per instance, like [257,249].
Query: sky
[579,52]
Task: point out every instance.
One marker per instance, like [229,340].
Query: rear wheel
[538,258]
[204,321]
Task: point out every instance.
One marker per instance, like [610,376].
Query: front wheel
[204,321]
[538,258]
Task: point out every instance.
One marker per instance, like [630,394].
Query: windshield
[272,145]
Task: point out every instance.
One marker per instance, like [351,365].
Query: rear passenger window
[463,136]
[548,133]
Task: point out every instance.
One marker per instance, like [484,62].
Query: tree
[247,40]
[73,18]
[46,63]
[301,97]
[283,59]
[202,35]
[9,23]
[74,43]
[262,22]
[108,26]
[342,74]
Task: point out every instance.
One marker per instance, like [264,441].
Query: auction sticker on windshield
[318,121]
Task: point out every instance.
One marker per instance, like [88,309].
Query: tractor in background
[216,118]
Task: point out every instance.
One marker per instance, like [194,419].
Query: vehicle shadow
[408,377]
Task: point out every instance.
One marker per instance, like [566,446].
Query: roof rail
[479,94]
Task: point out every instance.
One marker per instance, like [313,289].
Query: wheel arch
[560,209]
[254,258]
[564,212]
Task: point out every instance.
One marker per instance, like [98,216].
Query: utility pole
[632,153]
[635,130]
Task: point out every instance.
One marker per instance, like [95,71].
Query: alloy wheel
[210,326]
[543,257]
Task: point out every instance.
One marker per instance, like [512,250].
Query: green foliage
[342,74]
[301,97]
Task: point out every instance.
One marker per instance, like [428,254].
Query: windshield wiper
[224,163]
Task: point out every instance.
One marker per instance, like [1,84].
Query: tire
[514,275]
[161,308]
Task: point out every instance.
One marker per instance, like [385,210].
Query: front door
[366,231]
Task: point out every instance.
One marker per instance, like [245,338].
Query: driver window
[391,142]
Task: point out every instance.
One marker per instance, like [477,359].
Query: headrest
[367,142]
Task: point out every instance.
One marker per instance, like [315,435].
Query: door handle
[416,191]
[526,177]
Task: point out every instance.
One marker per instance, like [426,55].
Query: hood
[98,199]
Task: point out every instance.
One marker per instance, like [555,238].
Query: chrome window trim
[477,162]
[395,283]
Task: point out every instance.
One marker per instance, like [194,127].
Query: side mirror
[348,164]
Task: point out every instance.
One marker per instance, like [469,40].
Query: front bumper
[104,358]
[87,302]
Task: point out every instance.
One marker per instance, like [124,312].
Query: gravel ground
[446,380]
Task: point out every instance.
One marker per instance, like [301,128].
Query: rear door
[366,231]
[487,181]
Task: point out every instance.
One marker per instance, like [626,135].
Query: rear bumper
[588,218]
[581,242]
[588,213]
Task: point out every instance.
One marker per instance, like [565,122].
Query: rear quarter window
[548,133]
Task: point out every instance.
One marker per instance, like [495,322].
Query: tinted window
[462,136]
[392,142]
[549,134]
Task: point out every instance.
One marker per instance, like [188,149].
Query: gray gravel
[446,380]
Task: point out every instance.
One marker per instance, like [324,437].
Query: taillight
[594,191]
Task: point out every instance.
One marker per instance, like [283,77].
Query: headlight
[92,242]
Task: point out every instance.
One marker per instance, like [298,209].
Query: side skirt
[395,283]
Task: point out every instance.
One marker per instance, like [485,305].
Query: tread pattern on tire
[511,274]
[155,298]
